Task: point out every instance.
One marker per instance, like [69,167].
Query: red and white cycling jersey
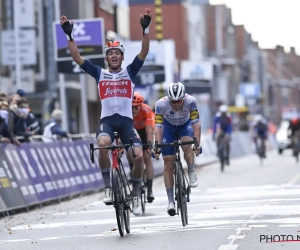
[115,89]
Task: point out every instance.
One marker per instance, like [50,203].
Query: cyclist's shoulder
[162,101]
[189,98]
[146,108]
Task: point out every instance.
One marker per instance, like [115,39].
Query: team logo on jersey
[194,114]
[171,112]
[158,110]
[159,119]
[121,88]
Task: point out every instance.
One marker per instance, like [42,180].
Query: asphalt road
[238,209]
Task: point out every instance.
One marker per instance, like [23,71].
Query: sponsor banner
[60,170]
[23,173]
[88,35]
[93,170]
[10,193]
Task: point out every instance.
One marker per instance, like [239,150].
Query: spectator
[21,93]
[5,135]
[53,127]
[3,97]
[32,126]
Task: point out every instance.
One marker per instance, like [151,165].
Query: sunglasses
[112,44]
[136,107]
[179,101]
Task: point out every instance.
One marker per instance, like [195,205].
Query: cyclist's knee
[169,162]
[138,153]
[104,141]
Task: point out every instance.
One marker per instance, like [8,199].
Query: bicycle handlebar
[113,147]
[176,143]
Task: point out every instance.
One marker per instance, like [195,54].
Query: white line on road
[295,179]
[228,247]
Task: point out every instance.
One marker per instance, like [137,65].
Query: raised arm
[145,22]
[67,26]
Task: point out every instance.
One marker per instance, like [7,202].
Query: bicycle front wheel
[118,200]
[181,203]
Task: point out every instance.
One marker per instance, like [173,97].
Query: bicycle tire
[221,154]
[118,200]
[143,197]
[185,191]
[126,196]
[181,196]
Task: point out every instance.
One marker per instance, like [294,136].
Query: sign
[196,70]
[150,74]
[159,63]
[27,47]
[250,90]
[27,80]
[196,87]
[71,67]
[88,35]
[25,11]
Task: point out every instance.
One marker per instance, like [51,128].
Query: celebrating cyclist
[144,124]
[177,113]
[223,127]
[115,88]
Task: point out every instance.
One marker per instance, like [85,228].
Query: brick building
[174,26]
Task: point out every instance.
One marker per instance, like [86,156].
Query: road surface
[246,207]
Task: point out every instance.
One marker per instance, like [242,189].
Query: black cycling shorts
[143,135]
[121,124]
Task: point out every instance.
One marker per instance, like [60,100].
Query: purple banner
[93,170]
[88,35]
[23,174]
[60,170]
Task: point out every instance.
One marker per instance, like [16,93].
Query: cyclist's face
[114,58]
[135,110]
[176,105]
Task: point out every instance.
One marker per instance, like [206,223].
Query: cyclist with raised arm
[116,89]
[144,124]
[177,113]
[223,126]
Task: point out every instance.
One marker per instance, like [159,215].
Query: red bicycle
[121,192]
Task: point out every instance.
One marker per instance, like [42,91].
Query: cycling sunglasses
[178,101]
[136,107]
[112,44]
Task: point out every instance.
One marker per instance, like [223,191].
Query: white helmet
[114,45]
[176,91]
[258,118]
[223,108]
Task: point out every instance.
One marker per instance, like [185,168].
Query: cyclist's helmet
[176,91]
[137,100]
[259,118]
[223,109]
[114,45]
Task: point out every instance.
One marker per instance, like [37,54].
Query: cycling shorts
[169,135]
[121,124]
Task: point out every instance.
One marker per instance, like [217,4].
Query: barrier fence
[37,172]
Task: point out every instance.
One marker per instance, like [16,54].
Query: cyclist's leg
[148,164]
[186,133]
[227,141]
[126,131]
[105,136]
[169,163]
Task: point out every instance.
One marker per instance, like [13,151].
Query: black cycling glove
[68,28]
[145,22]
